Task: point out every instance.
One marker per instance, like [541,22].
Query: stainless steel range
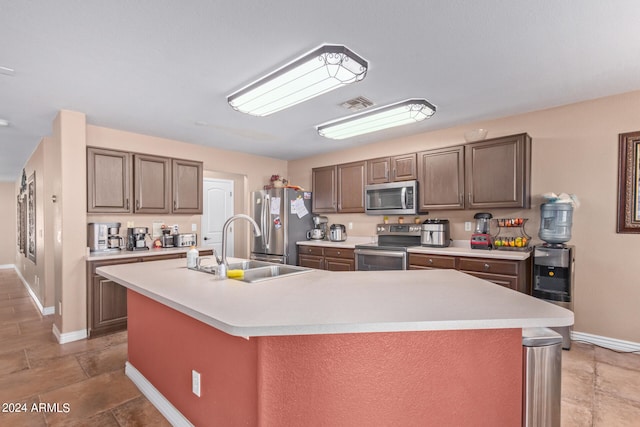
[390,253]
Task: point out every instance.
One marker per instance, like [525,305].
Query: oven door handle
[394,254]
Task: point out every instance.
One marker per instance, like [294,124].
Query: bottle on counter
[192,257]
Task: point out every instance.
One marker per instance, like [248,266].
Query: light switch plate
[194,227]
[467,226]
[195,382]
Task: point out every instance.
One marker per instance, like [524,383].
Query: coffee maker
[319,230]
[137,238]
[104,236]
[481,239]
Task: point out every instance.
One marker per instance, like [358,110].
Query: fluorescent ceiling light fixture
[4,122]
[319,71]
[388,116]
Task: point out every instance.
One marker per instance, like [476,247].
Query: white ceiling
[159,66]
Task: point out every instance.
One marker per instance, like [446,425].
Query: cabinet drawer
[485,265]
[510,282]
[339,253]
[432,261]
[311,250]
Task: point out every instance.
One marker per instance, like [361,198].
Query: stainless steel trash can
[542,371]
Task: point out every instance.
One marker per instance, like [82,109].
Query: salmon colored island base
[439,378]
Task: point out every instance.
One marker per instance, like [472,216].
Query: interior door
[217,208]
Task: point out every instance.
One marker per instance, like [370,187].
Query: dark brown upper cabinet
[498,173]
[108,181]
[187,187]
[151,184]
[441,178]
[390,169]
[351,181]
[325,190]
[339,188]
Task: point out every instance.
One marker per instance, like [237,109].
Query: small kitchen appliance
[104,236]
[435,233]
[390,252]
[183,240]
[319,230]
[167,239]
[392,198]
[481,239]
[137,238]
[338,233]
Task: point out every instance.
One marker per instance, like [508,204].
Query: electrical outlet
[194,227]
[467,226]
[195,382]
[130,224]
[350,226]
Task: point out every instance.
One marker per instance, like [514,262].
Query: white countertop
[463,248]
[123,253]
[351,242]
[327,302]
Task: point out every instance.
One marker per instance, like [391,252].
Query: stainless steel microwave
[393,198]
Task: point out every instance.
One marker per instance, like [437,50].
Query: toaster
[185,239]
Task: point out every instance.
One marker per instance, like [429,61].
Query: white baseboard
[44,310]
[610,343]
[5,266]
[161,403]
[69,336]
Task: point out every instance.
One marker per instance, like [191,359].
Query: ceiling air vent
[357,104]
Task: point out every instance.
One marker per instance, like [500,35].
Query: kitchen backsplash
[365,225]
[184,222]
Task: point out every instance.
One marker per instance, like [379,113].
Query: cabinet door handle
[430,261]
[486,267]
[137,204]
[461,199]
[470,198]
[395,173]
[175,205]
[127,202]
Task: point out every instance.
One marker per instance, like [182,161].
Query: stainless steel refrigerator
[284,216]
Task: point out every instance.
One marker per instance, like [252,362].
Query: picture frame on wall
[628,183]
[31,217]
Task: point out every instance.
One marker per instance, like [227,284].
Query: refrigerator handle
[266,229]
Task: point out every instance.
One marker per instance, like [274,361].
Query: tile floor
[599,387]
[88,375]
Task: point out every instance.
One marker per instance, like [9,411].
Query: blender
[481,239]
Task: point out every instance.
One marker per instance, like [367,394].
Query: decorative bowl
[475,135]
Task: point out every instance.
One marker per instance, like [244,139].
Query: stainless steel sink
[257,271]
[260,274]
[248,264]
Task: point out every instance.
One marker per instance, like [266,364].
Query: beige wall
[575,151]
[8,214]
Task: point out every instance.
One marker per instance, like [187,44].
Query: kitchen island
[434,347]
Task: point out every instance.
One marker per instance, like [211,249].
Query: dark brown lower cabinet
[107,300]
[323,258]
[512,274]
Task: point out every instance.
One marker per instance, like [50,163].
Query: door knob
[206,238]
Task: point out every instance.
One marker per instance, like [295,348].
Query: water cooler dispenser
[553,261]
